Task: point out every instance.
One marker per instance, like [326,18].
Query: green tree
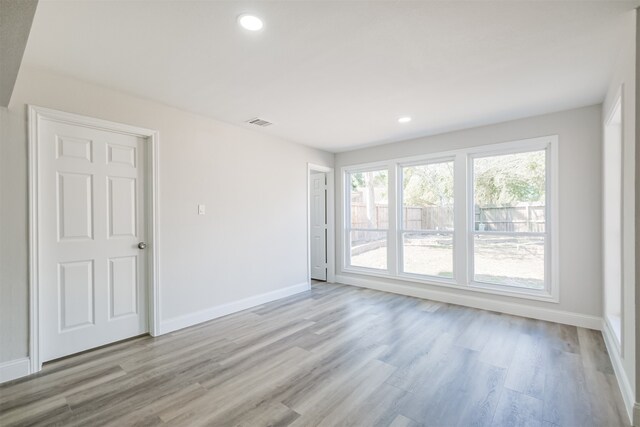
[428,185]
[510,179]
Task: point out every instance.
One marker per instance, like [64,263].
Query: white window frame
[346,176]
[518,147]
[401,231]
[463,219]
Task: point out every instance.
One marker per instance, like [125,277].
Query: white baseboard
[191,319]
[14,369]
[621,375]
[551,315]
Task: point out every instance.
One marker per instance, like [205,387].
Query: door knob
[142,245]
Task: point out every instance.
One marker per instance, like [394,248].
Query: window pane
[506,260]
[369,199]
[428,254]
[369,249]
[427,197]
[509,192]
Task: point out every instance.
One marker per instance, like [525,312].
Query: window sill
[452,284]
[513,291]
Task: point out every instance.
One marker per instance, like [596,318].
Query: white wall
[580,136]
[625,75]
[252,240]
[13,241]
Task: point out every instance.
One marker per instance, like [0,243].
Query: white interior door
[318,219]
[92,218]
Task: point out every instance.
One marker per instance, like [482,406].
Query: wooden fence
[517,218]
[416,218]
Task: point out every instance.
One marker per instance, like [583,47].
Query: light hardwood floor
[334,356]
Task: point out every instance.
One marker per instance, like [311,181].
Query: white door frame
[36,115]
[331,233]
[619,102]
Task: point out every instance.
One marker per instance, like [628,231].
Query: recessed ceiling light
[250,22]
[404,119]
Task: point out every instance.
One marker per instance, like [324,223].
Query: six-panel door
[92,217]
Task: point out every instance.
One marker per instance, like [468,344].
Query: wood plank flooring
[333,356]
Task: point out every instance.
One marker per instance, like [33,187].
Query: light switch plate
[201,210]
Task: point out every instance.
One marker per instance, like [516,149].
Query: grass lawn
[500,260]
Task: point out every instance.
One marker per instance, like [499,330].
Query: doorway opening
[320,224]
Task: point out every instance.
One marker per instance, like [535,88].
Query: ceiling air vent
[259,122]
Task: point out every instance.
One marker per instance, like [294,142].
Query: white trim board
[192,319]
[14,369]
[36,115]
[541,313]
[623,380]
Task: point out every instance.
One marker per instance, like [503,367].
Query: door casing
[619,340]
[331,233]
[36,115]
